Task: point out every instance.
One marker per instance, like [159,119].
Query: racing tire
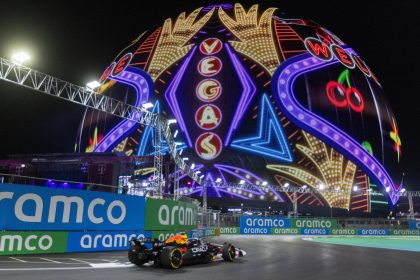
[171,257]
[133,258]
[228,252]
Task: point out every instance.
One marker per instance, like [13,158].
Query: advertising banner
[35,242]
[229,230]
[414,224]
[258,221]
[376,232]
[162,214]
[343,231]
[102,240]
[41,208]
[285,231]
[313,223]
[261,225]
[314,231]
[405,232]
[210,231]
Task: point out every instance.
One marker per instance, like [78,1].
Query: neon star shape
[269,132]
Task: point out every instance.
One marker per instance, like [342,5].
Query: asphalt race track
[267,257]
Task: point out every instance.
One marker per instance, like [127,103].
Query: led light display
[260,102]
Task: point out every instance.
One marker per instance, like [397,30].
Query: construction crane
[24,76]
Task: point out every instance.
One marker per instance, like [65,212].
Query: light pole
[295,202]
[205,182]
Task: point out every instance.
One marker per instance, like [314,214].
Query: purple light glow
[227,167]
[224,6]
[142,89]
[170,96]
[210,178]
[248,93]
[321,127]
[199,190]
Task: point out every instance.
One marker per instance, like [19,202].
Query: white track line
[16,259]
[50,260]
[77,260]
[61,268]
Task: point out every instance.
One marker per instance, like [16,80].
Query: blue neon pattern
[147,139]
[270,140]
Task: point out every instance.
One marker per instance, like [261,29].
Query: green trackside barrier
[313,223]
[35,242]
[229,230]
[211,232]
[168,215]
[405,232]
[343,231]
[285,231]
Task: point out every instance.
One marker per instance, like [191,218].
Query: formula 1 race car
[178,250]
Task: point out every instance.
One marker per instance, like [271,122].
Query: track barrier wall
[260,225]
[36,208]
[36,220]
[414,224]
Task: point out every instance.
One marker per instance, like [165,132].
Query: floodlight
[93,84]
[20,57]
[147,105]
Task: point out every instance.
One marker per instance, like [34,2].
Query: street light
[147,105]
[20,57]
[93,84]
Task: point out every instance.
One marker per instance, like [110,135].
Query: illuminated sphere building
[259,100]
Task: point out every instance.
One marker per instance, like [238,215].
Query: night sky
[76,41]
